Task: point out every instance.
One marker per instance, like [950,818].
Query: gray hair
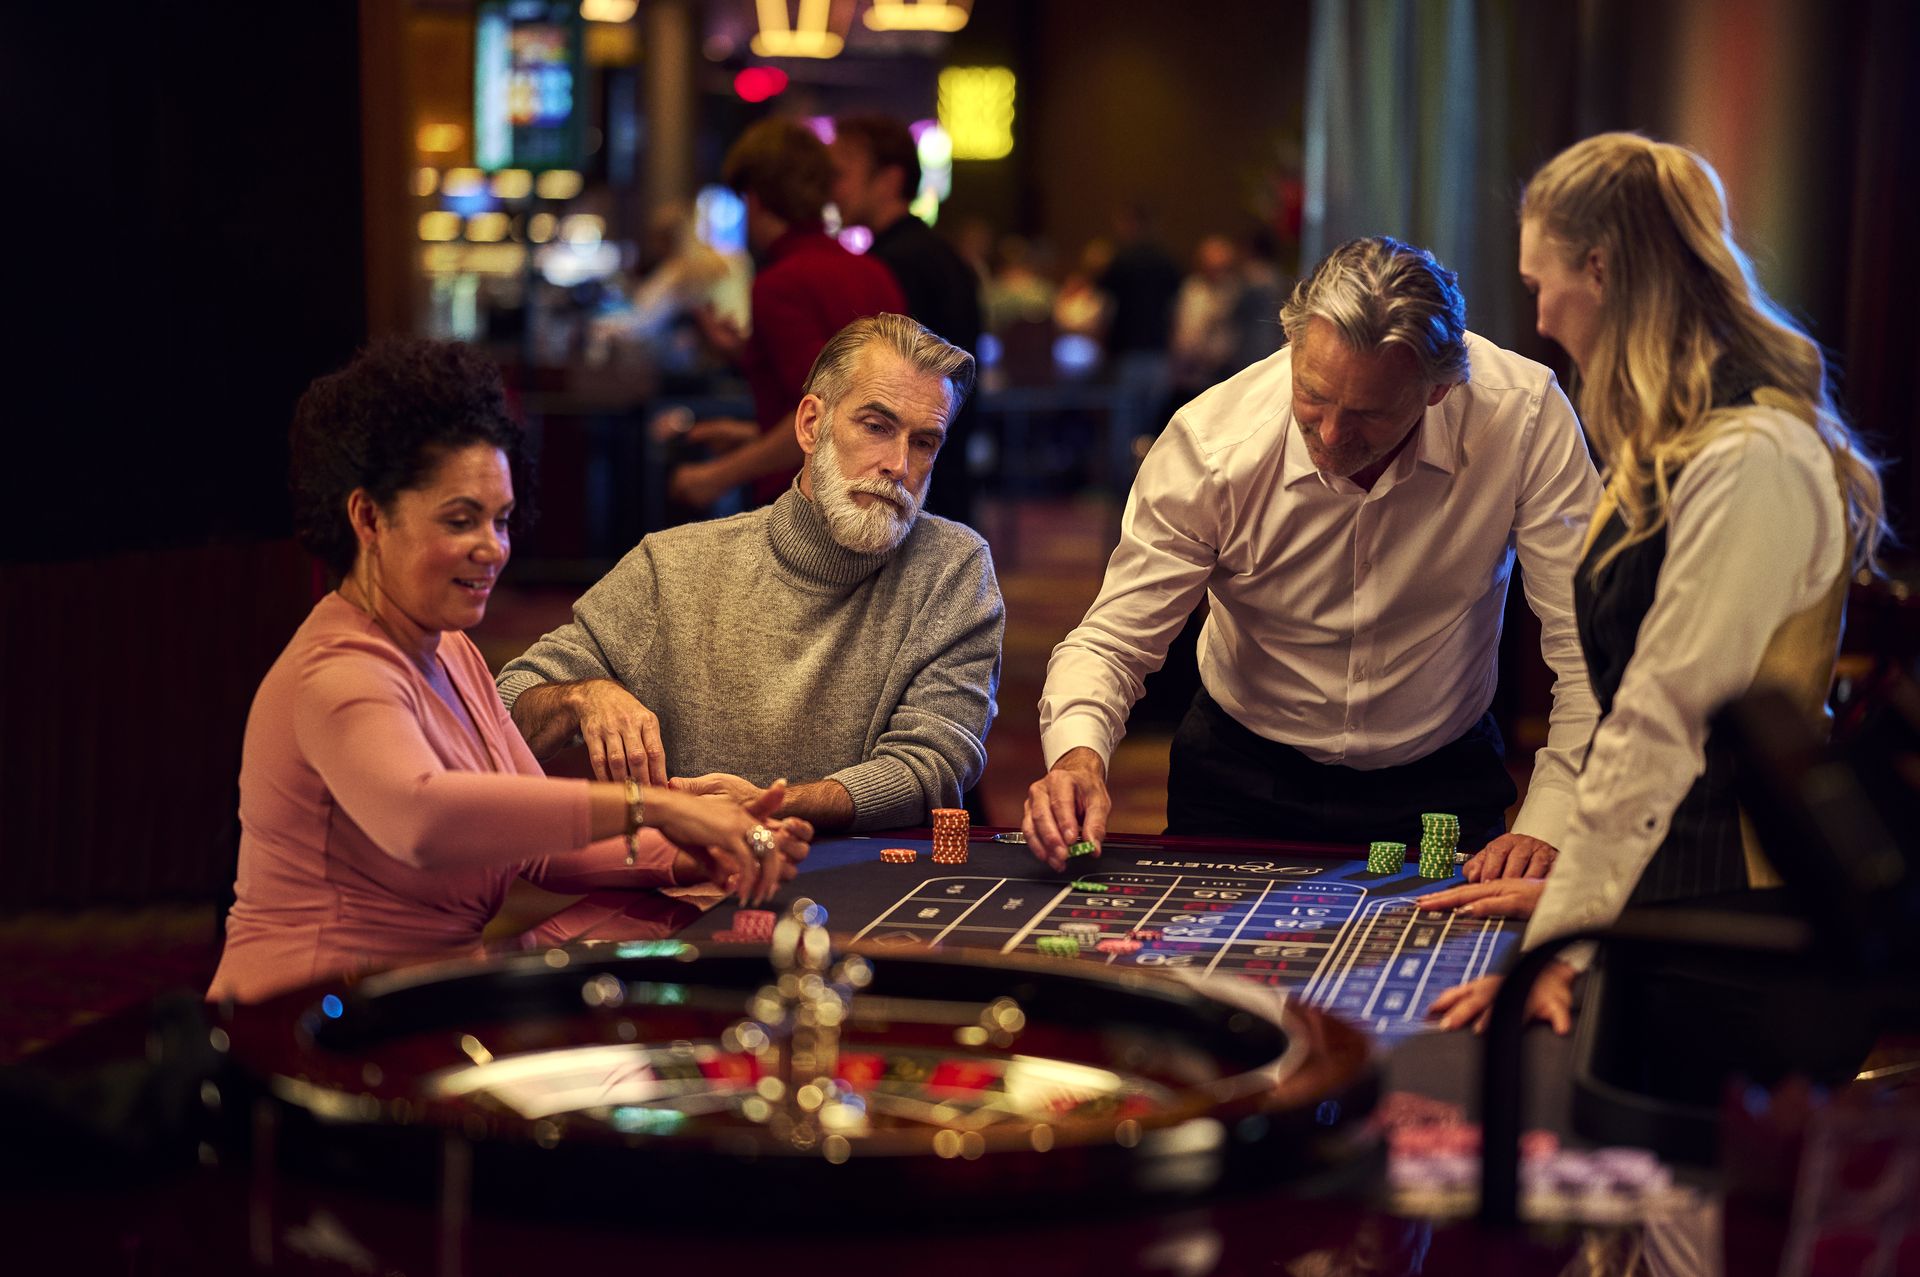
[1381,292]
[925,351]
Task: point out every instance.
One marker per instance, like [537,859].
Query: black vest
[1703,853]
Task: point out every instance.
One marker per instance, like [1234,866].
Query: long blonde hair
[1679,302]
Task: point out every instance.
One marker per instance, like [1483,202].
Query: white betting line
[1427,970]
[1227,944]
[1327,997]
[1333,946]
[1035,921]
[969,909]
[1386,968]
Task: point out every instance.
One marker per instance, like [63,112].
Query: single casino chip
[1116,944]
[1082,848]
[1081,884]
[899,855]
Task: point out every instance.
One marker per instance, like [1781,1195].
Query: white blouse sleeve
[1755,535]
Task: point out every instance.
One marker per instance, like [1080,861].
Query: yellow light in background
[460,182]
[487,228]
[438,139]
[426,180]
[558,184]
[540,227]
[513,184]
[919,15]
[802,28]
[976,110]
[583,229]
[608,10]
[611,46]
[439,226]
[473,259]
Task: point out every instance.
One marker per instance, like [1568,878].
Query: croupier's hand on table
[1501,898]
[1065,806]
[1471,1004]
[1510,856]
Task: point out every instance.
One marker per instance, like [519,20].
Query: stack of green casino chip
[1387,857]
[1057,947]
[1439,839]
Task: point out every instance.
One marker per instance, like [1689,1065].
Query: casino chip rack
[686,1075]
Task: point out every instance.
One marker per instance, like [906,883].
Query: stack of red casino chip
[750,926]
[755,925]
[899,855]
[950,828]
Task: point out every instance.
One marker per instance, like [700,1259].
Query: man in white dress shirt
[1352,507]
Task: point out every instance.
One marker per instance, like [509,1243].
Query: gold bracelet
[636,816]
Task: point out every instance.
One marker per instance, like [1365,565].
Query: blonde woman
[1738,504]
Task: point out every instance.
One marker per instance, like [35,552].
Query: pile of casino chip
[1433,1168]
[750,926]
[950,828]
[1439,840]
[1387,857]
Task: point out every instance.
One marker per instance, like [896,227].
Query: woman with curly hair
[1738,504]
[386,800]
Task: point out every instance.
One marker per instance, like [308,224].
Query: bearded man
[840,638]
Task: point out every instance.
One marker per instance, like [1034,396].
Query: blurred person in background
[876,174]
[806,289]
[1203,342]
[1140,284]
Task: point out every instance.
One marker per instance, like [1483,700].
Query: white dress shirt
[1361,627]
[1755,534]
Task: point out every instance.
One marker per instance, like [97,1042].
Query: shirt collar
[1436,443]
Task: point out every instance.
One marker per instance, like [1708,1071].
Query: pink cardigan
[376,830]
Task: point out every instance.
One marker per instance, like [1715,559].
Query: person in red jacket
[806,288]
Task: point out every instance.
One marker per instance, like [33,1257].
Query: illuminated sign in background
[526,107]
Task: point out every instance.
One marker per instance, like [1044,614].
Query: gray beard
[874,529]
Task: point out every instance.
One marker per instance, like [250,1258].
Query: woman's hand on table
[1470,1004]
[1500,898]
[740,846]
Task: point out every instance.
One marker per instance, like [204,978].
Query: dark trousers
[1225,781]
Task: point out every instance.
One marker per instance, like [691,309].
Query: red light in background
[757,84]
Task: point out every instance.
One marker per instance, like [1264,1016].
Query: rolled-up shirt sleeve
[1169,543]
[1754,536]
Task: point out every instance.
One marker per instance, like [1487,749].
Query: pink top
[376,830]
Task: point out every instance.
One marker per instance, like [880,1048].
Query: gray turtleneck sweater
[768,649]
